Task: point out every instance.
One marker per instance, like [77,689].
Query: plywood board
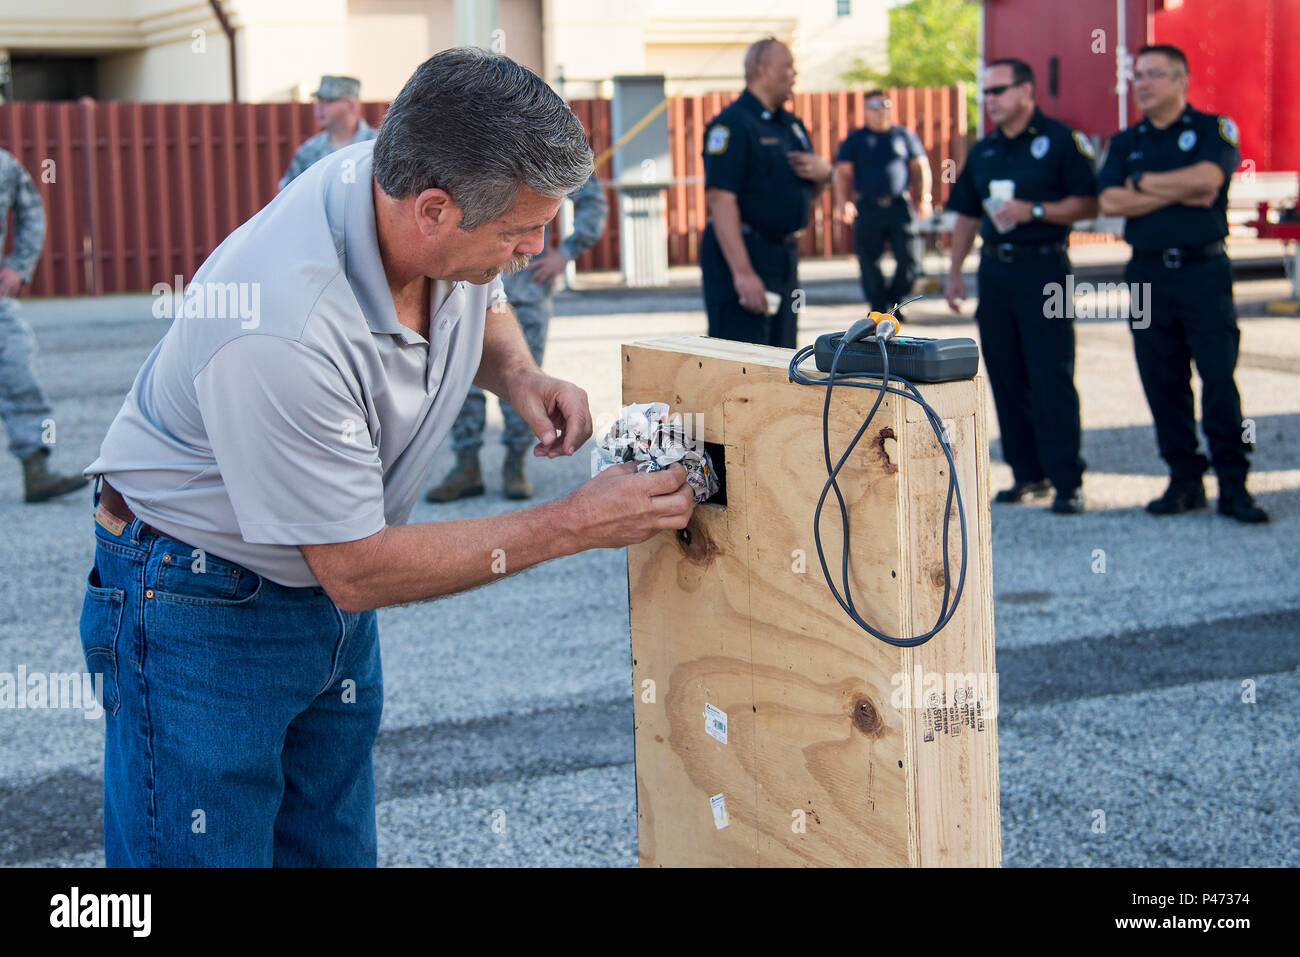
[822,764]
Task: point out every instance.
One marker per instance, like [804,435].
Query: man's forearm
[843,185]
[505,351]
[1126,201]
[963,237]
[406,563]
[920,184]
[1187,182]
[725,212]
[1071,209]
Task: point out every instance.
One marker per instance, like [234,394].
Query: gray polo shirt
[292,408]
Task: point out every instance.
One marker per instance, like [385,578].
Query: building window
[842,8]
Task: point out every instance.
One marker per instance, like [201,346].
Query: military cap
[334,87]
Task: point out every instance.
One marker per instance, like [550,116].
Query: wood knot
[887,447]
[866,718]
[696,544]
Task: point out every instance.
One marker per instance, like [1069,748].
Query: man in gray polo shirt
[256,480]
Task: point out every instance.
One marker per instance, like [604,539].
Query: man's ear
[435,211]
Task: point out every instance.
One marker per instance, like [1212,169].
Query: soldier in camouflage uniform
[338,112]
[531,293]
[23,406]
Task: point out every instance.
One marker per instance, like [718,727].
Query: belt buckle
[1172,258]
[884,201]
[1005,252]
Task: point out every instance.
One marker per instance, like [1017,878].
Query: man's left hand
[1013,213]
[544,269]
[10,282]
[809,166]
[557,411]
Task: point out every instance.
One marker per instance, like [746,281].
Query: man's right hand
[10,282]
[955,292]
[621,506]
[752,292]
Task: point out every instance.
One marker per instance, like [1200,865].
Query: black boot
[1068,502]
[1237,503]
[1183,495]
[1020,490]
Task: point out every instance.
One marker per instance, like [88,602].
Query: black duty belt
[1018,252]
[772,236]
[880,200]
[1175,257]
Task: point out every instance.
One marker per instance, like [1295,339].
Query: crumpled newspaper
[648,435]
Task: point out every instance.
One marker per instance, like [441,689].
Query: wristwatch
[1037,211]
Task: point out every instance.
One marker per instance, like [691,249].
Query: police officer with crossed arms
[1168,175]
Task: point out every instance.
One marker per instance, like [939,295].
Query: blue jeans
[240,715]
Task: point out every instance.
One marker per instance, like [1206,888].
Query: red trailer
[1237,50]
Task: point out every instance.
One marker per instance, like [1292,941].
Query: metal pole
[1121,61]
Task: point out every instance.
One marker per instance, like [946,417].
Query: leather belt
[110,499]
[882,201]
[1176,256]
[772,237]
[1017,252]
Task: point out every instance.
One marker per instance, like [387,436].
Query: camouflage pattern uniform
[318,146]
[23,405]
[534,305]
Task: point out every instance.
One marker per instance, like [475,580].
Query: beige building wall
[188,70]
[150,49]
[388,39]
[700,47]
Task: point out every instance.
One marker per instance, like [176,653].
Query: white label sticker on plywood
[719,805]
[715,722]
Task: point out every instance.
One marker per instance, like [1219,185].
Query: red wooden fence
[137,193]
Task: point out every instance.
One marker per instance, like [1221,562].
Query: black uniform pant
[1030,361]
[875,224]
[1192,317]
[777,264]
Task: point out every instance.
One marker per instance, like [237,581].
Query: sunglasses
[879,104]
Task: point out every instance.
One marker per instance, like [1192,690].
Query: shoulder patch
[1228,130]
[717,142]
[1085,145]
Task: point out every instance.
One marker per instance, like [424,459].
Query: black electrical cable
[909,391]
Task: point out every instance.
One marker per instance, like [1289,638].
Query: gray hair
[479,126]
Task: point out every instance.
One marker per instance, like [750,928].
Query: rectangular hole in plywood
[718,455]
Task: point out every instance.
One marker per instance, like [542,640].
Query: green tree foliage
[931,43]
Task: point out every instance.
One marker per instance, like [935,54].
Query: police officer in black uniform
[760,178]
[1169,176]
[875,170]
[1047,169]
